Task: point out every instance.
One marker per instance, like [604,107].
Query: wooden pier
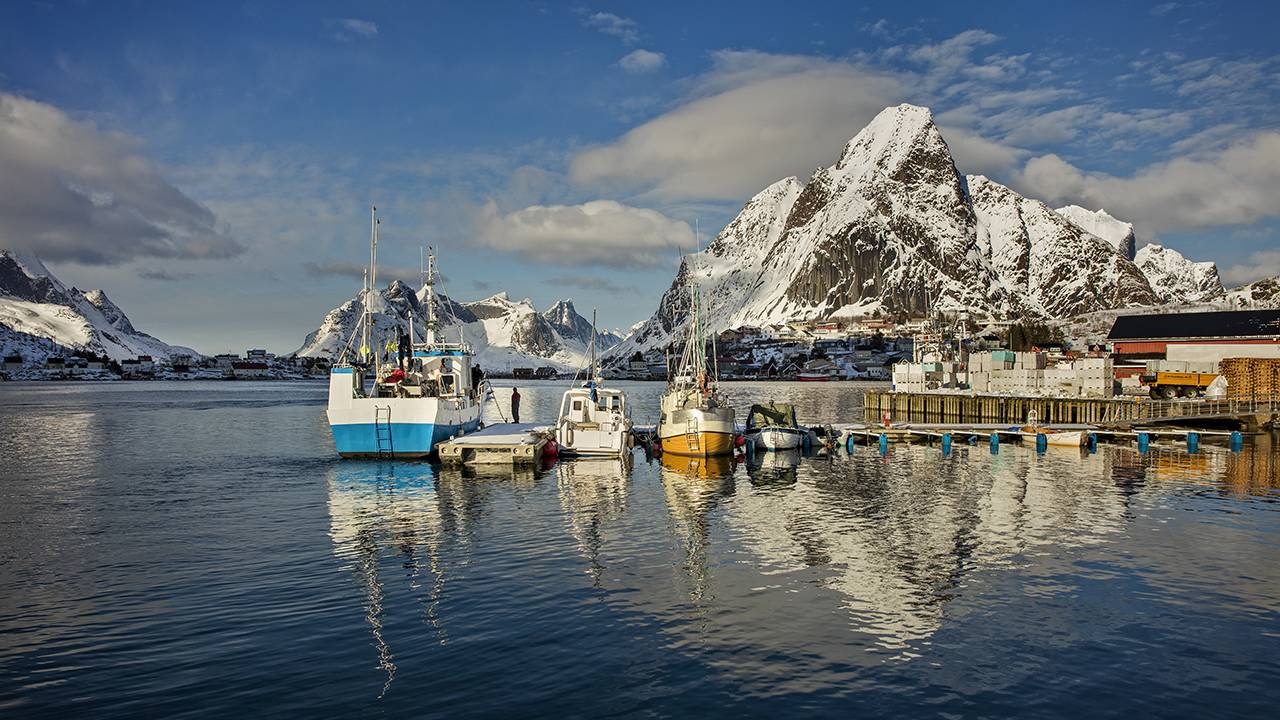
[1250,414]
[503,444]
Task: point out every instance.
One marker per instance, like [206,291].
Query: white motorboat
[774,427]
[594,420]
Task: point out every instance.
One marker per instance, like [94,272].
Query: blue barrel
[848,444]
[995,443]
[1144,442]
[1042,442]
[1237,441]
[1193,442]
[884,444]
[946,443]
[1093,442]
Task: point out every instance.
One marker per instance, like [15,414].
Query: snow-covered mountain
[1259,295]
[1175,279]
[39,317]
[1117,232]
[892,226]
[504,333]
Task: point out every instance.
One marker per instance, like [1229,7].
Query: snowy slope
[39,317]
[1098,222]
[1175,278]
[503,333]
[893,226]
[1259,295]
[1053,264]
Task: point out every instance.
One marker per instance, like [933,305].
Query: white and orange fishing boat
[695,420]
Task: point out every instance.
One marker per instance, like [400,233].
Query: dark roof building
[1199,325]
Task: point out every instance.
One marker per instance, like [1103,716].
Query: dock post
[1144,441]
[1042,442]
[1093,442]
[1193,442]
[1237,441]
[946,443]
[995,443]
[884,444]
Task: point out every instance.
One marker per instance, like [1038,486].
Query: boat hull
[1074,438]
[817,377]
[698,444]
[402,427]
[779,438]
[408,440]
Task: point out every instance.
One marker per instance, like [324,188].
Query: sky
[212,165]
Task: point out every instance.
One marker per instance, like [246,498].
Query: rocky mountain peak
[1099,222]
[1175,279]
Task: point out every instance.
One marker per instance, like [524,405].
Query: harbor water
[196,549]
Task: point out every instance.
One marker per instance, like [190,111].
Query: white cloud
[1237,185]
[754,119]
[69,191]
[625,29]
[642,61]
[349,28]
[601,232]
[1262,264]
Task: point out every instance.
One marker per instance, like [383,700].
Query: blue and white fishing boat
[411,404]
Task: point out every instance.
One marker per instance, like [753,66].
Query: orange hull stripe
[707,444]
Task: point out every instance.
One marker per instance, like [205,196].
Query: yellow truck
[1168,385]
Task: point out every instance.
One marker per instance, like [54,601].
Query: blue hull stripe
[406,438]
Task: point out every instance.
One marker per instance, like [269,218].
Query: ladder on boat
[382,431]
[691,437]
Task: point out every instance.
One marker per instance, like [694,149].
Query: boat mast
[370,282]
[591,369]
[373,287]
[429,282]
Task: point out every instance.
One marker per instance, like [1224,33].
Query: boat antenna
[429,282]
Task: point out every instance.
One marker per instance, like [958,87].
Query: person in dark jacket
[515,405]
[405,350]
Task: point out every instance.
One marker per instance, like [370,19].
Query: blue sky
[211,164]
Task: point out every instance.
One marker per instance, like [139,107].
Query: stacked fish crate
[1027,373]
[1251,377]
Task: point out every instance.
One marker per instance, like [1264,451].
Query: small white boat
[594,420]
[774,427]
[1060,438]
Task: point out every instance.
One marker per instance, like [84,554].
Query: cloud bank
[601,232]
[72,192]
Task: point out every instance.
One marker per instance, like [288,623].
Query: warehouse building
[1199,337]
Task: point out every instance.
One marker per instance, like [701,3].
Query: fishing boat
[695,420]
[594,420]
[400,409]
[1062,438]
[773,427]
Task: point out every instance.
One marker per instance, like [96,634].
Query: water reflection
[694,488]
[593,492]
[775,468]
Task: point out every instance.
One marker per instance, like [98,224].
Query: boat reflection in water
[775,468]
[694,488]
[593,493]
[400,513]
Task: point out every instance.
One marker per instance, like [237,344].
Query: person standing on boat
[515,405]
[405,349]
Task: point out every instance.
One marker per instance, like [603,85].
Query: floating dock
[502,444]
[1249,414]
